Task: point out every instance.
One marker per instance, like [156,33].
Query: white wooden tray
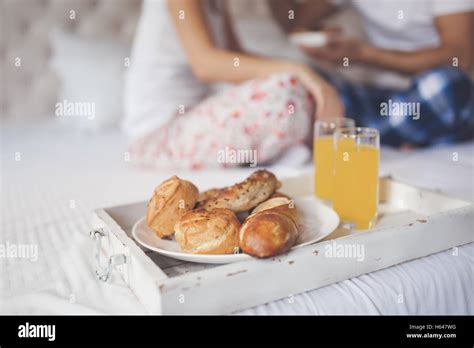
[412,223]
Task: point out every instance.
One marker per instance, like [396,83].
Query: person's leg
[441,97]
[265,116]
[445,99]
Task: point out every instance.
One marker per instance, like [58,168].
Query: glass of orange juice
[323,153]
[356,176]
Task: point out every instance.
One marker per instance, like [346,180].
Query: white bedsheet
[47,198]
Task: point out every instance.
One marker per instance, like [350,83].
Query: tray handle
[103,272]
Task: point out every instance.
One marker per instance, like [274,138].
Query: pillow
[91,77]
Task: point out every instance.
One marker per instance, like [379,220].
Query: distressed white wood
[413,223]
[139,272]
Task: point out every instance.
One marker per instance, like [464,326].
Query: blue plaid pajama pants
[442,97]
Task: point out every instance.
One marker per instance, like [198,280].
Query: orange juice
[324,166]
[355,190]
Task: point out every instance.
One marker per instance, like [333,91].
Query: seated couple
[192,91]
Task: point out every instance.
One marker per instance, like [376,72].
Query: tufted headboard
[28,88]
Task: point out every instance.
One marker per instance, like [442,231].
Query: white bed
[48,197]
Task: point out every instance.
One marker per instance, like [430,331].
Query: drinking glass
[323,152]
[356,169]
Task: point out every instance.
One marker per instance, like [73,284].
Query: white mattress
[60,166]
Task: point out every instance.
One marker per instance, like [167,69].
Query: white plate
[316,222]
[313,39]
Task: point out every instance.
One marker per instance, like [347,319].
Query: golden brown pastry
[243,196]
[208,232]
[171,200]
[209,194]
[279,203]
[271,229]
[279,194]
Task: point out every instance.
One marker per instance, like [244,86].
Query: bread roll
[171,200]
[242,196]
[209,194]
[279,194]
[208,232]
[279,203]
[271,229]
